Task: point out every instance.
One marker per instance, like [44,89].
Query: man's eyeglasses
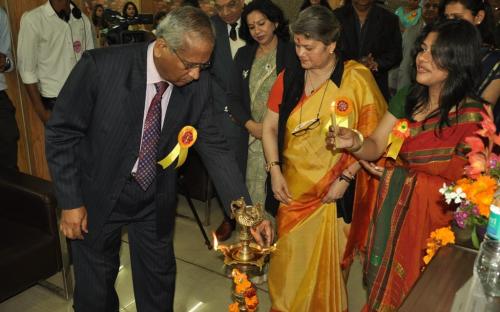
[190,65]
[231,5]
[303,127]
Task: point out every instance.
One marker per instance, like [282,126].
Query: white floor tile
[202,284]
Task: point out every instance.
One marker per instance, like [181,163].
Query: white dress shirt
[48,47]
[238,43]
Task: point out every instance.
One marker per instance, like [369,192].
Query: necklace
[303,127]
[309,79]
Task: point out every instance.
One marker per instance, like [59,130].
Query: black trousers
[9,133]
[152,259]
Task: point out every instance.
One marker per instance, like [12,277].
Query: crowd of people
[295,117]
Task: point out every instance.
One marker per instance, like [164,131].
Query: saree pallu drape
[409,206]
[305,273]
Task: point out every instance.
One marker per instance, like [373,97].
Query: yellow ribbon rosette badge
[186,138]
[398,134]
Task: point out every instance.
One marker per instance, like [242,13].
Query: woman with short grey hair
[307,179]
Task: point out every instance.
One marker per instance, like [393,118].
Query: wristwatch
[270,164]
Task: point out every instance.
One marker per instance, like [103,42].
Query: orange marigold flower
[251,302]
[484,210]
[243,286]
[234,307]
[440,237]
[428,258]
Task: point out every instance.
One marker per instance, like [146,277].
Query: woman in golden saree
[431,119]
[305,273]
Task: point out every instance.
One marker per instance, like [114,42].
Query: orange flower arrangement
[479,191]
[440,237]
[244,288]
[474,193]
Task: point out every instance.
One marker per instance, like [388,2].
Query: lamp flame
[216,242]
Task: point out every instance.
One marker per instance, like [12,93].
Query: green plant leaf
[475,239]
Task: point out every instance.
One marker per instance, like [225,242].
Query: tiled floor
[202,282]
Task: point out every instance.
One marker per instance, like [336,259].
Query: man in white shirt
[9,133]
[227,42]
[52,38]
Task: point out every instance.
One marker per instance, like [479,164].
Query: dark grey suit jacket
[382,39]
[94,134]
[221,72]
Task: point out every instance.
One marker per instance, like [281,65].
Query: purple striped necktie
[146,169]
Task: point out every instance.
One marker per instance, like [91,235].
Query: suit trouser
[152,259]
[9,133]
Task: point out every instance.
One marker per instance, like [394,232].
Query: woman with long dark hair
[430,119]
[130,10]
[100,24]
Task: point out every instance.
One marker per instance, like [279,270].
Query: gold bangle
[361,138]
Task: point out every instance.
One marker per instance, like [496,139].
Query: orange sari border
[291,215]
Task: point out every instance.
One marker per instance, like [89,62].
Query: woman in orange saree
[305,273]
[431,119]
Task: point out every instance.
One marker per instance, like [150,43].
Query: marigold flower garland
[243,287]
[440,237]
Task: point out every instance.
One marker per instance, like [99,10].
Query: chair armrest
[28,200]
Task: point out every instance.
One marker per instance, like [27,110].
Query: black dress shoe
[225,229]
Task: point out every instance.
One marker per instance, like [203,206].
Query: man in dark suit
[121,111]
[371,35]
[227,42]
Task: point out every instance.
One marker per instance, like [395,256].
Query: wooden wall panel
[31,144]
[31,155]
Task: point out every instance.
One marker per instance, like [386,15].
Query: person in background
[161,5]
[130,10]
[52,39]
[307,179]
[174,4]
[440,110]
[308,3]
[227,23]
[9,132]
[115,102]
[207,6]
[131,13]
[479,14]
[100,24]
[495,6]
[404,72]
[158,17]
[371,35]
[98,17]
[409,14]
[267,53]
